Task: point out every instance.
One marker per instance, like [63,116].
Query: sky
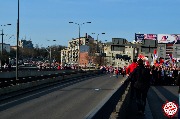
[43,21]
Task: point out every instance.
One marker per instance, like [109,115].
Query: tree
[4,57]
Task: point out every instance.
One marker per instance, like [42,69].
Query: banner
[150,36]
[169,38]
[162,38]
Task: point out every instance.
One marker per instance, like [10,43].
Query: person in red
[116,72]
[59,67]
[131,67]
[129,70]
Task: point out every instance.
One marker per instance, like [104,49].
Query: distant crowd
[160,75]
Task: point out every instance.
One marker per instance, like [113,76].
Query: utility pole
[79,41]
[2,47]
[17,44]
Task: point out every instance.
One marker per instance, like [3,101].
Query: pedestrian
[155,75]
[59,67]
[9,67]
[142,83]
[178,81]
[5,66]
[123,71]
[129,70]
[175,74]
[116,72]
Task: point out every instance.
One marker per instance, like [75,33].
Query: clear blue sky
[43,20]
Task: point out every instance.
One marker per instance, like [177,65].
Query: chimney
[86,36]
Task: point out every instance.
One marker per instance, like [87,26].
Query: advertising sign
[169,38]
[162,38]
[150,36]
[139,37]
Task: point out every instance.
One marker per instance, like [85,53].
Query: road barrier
[34,81]
[26,73]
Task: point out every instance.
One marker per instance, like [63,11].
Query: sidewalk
[133,111]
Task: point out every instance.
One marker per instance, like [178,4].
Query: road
[64,101]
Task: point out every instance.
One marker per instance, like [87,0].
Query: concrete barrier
[44,81]
[27,73]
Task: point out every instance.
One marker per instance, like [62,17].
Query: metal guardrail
[108,105]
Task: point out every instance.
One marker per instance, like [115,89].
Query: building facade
[6,47]
[25,44]
[120,52]
[75,48]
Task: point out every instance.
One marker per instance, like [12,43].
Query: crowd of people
[142,76]
[159,75]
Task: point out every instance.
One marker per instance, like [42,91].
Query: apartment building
[120,52]
[75,48]
[164,50]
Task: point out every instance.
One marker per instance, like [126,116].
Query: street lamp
[17,44]
[2,43]
[97,40]
[50,54]
[97,46]
[79,39]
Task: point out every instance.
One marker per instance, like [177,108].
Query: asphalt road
[64,101]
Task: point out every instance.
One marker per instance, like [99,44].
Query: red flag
[155,51]
[140,56]
[161,61]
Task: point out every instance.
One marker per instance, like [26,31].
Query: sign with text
[169,38]
[139,37]
[150,36]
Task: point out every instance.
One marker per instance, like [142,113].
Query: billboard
[169,38]
[150,36]
[162,38]
[140,37]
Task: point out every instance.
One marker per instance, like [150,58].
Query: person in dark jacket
[141,85]
[129,70]
[178,82]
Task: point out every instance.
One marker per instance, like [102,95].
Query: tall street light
[97,46]
[79,26]
[50,54]
[2,43]
[17,44]
[97,40]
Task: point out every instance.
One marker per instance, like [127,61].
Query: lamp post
[97,40]
[17,44]
[50,54]
[79,28]
[97,49]
[2,44]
